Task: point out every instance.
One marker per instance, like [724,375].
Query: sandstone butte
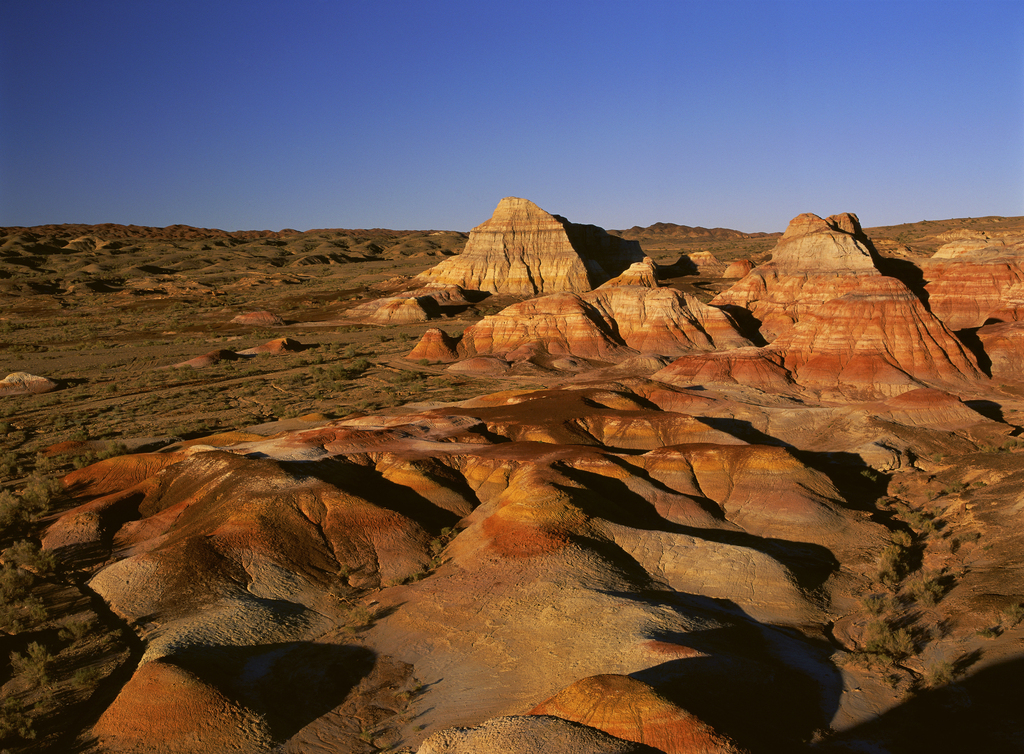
[835,322]
[524,251]
[815,261]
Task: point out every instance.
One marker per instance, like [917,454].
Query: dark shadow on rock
[372,486]
[766,688]
[290,684]
[969,337]
[859,484]
[988,409]
[979,713]
[682,266]
[743,430]
[749,325]
[907,273]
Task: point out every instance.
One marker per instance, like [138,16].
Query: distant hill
[675,233]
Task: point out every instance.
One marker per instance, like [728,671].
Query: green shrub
[892,564]
[27,555]
[14,721]
[85,677]
[33,666]
[939,673]
[1014,613]
[75,630]
[888,644]
[926,590]
[877,604]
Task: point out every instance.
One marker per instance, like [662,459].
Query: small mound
[258,319]
[435,345]
[23,383]
[165,708]
[209,359]
[395,310]
[631,710]
[528,735]
[276,346]
[738,269]
[489,365]
[643,273]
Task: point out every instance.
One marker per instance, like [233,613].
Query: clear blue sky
[397,114]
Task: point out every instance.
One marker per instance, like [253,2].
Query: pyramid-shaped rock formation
[816,260]
[524,251]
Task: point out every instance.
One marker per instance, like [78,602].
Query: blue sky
[344,113]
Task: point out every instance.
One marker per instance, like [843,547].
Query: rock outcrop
[23,383]
[631,710]
[835,323]
[258,319]
[738,269]
[975,279]
[524,251]
[644,273]
[607,325]
[436,345]
[1004,346]
[815,261]
[875,340]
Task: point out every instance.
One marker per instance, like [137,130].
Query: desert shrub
[1014,613]
[9,466]
[939,673]
[926,590]
[74,630]
[888,644]
[922,522]
[358,617]
[28,555]
[85,677]
[14,721]
[892,563]
[14,583]
[988,632]
[39,494]
[34,665]
[877,604]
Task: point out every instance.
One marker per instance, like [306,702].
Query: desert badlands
[540,487]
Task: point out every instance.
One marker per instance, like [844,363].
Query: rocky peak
[523,250]
[836,243]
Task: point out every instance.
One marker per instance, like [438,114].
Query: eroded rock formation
[525,251]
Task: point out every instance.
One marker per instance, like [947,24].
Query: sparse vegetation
[926,590]
[33,666]
[893,565]
[939,673]
[886,644]
[1014,613]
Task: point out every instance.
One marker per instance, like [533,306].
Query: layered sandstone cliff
[608,325]
[977,278]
